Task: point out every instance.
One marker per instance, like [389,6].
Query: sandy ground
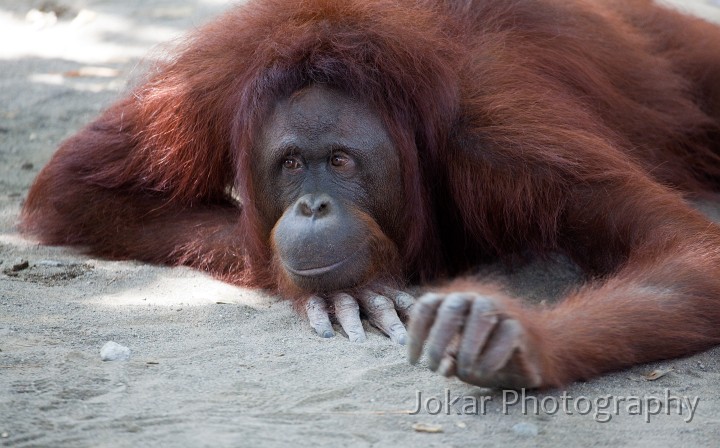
[215,365]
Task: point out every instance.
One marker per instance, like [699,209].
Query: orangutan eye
[291,163]
[339,160]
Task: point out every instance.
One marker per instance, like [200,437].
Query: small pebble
[20,265]
[112,351]
[4,435]
[525,429]
[427,427]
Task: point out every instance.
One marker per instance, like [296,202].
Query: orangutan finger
[318,316]
[501,346]
[478,327]
[421,320]
[448,323]
[402,300]
[381,313]
[347,312]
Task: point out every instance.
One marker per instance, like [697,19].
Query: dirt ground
[215,365]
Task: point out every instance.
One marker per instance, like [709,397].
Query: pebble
[112,351]
[20,265]
[525,429]
[427,427]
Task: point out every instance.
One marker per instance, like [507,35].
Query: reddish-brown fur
[523,126]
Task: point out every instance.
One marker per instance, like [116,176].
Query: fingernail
[402,339]
[358,338]
[446,368]
[328,334]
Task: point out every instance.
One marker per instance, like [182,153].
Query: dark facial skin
[324,157]
[329,182]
